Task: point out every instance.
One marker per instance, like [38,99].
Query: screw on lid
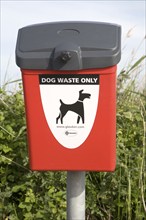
[65,56]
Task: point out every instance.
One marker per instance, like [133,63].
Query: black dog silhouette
[76,107]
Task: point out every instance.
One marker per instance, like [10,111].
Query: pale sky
[17,14]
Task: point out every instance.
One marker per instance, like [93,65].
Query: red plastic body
[97,153]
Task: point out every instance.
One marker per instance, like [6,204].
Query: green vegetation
[121,195]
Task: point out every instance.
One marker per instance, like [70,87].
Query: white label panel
[70,105]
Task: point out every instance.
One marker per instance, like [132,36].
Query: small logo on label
[70,133]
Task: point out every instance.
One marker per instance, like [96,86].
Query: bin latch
[67,56]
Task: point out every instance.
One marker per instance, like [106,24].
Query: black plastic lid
[68,46]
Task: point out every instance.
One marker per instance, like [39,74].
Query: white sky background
[17,14]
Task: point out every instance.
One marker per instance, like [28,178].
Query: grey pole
[75,195]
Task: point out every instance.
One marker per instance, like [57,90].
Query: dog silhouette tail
[61,101]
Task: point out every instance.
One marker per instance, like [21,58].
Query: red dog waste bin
[69,80]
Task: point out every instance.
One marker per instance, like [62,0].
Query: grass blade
[136,63]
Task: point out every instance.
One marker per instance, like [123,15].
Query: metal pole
[75,195]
